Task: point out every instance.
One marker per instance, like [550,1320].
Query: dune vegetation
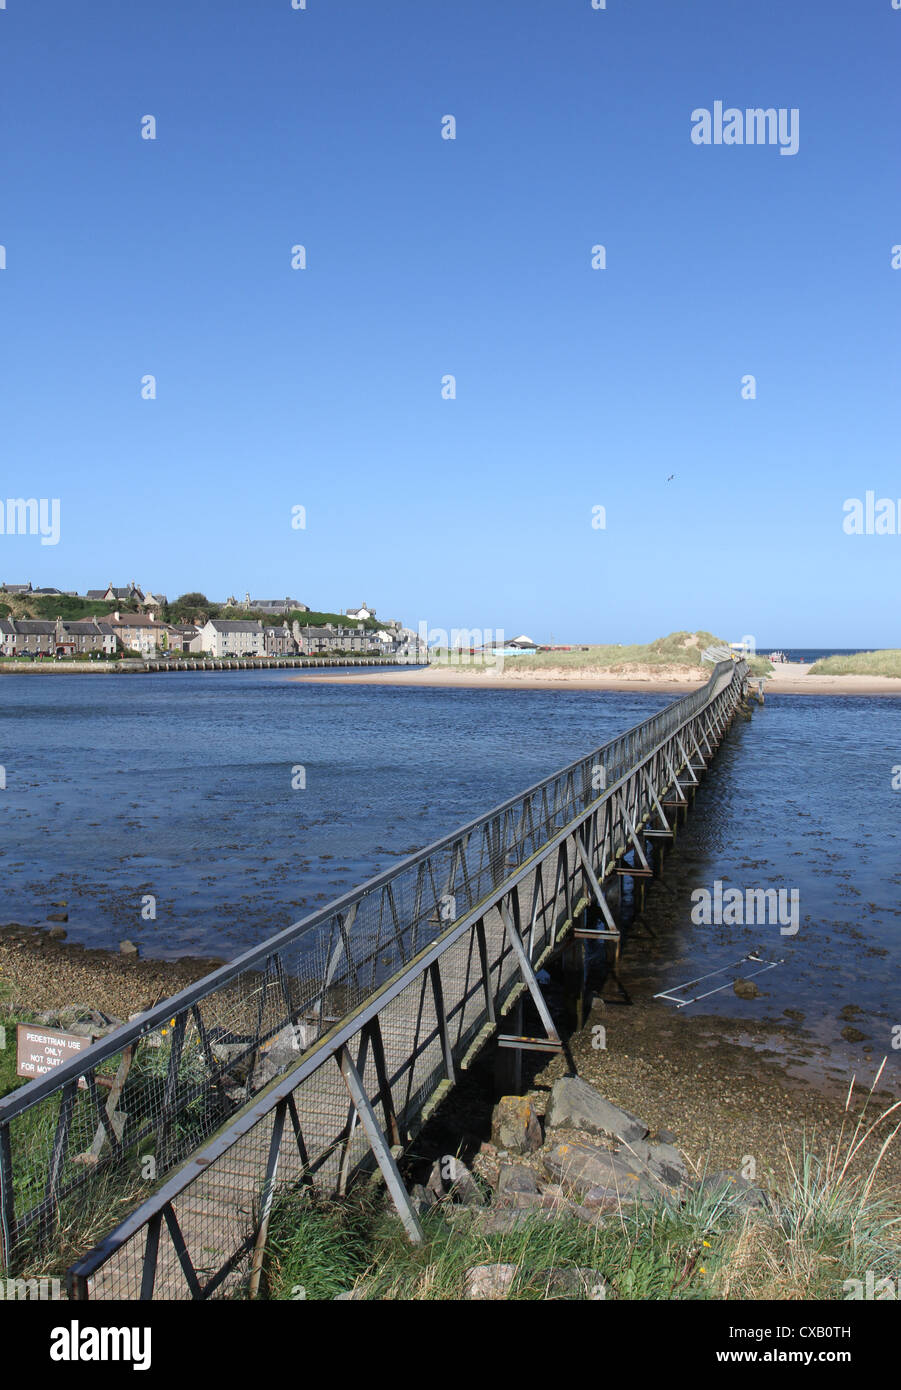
[881,663]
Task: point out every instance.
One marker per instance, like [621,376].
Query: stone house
[140,632]
[279,641]
[84,636]
[27,635]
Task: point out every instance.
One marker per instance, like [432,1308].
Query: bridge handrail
[619,754]
[151,1020]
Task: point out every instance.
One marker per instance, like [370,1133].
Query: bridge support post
[508,1060]
[570,969]
[377,1142]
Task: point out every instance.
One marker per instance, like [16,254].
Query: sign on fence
[39,1050]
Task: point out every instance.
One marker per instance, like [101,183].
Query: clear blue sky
[575,388]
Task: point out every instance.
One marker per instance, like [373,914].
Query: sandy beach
[787,679]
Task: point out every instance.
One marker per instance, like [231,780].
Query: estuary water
[243,800]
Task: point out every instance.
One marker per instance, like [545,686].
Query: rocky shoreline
[39,972]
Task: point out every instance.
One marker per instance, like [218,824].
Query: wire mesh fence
[137,1104]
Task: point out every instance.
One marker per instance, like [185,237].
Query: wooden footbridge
[325,1049]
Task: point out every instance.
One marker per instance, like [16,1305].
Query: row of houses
[149,637]
[222,637]
[35,637]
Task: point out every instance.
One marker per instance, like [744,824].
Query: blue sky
[575,387]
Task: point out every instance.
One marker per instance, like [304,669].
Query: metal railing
[413,968]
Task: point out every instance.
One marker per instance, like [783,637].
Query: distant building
[140,632]
[131,593]
[185,638]
[84,637]
[7,637]
[360,614]
[279,641]
[223,637]
[15,588]
[23,636]
[272,605]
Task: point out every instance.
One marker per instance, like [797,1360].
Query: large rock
[735,1189]
[489,1281]
[463,1186]
[451,1177]
[662,1160]
[515,1125]
[583,1167]
[500,1220]
[576,1105]
[279,1053]
[516,1177]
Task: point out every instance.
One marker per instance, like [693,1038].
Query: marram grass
[825,1226]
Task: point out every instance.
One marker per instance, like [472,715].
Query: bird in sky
[670,478]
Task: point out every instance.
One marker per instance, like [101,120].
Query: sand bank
[788,679]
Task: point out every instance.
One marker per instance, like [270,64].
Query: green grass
[108,1195]
[804,1247]
[881,663]
[828,1222]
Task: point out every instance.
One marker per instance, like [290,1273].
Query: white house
[226,637]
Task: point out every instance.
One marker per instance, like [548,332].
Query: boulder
[515,1126]
[746,989]
[516,1177]
[500,1220]
[662,1160]
[58,933]
[57,917]
[737,1189]
[69,1014]
[576,1105]
[463,1186]
[489,1281]
[128,948]
[582,1167]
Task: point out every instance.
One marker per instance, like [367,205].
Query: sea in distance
[244,800]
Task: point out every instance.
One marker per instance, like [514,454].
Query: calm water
[181,786]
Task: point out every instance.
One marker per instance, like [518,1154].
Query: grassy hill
[51,606]
[884,663]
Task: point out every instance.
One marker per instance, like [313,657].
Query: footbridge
[323,1051]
